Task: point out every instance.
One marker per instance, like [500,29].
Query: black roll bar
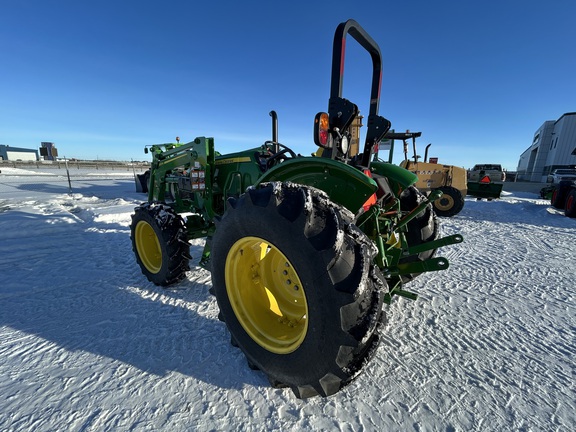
[377,125]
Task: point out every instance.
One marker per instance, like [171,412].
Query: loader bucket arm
[341,111]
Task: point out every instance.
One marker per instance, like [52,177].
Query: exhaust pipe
[275,130]
[426,153]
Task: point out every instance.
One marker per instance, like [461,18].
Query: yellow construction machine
[448,179]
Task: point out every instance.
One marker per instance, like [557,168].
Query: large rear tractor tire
[570,209]
[422,229]
[450,203]
[159,242]
[297,287]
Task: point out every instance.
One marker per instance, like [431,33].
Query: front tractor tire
[450,203]
[159,243]
[297,288]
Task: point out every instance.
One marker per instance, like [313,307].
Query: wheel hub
[148,247]
[266,295]
[445,202]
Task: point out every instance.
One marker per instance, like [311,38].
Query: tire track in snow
[488,346]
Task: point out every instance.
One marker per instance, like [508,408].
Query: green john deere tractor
[303,251]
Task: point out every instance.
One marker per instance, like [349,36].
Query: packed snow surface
[88,344]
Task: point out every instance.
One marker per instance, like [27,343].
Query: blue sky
[102,79]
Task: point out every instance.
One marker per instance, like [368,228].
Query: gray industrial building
[17,153]
[553,146]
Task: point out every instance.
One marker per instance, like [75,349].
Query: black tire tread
[171,232]
[357,293]
[559,196]
[458,202]
[423,228]
[570,206]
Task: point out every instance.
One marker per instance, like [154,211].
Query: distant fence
[526,176]
[535,176]
[17,178]
[522,186]
[74,164]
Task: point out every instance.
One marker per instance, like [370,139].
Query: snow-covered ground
[88,344]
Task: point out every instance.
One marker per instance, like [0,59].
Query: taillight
[322,135]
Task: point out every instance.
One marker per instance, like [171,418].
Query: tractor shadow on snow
[93,298]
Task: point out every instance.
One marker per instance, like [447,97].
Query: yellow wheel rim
[148,247]
[266,295]
[445,202]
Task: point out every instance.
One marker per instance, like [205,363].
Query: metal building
[553,146]
[17,153]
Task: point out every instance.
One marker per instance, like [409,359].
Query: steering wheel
[280,156]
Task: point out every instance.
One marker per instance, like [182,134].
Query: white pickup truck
[561,174]
[494,171]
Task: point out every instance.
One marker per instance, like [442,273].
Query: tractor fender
[344,184]
[399,178]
